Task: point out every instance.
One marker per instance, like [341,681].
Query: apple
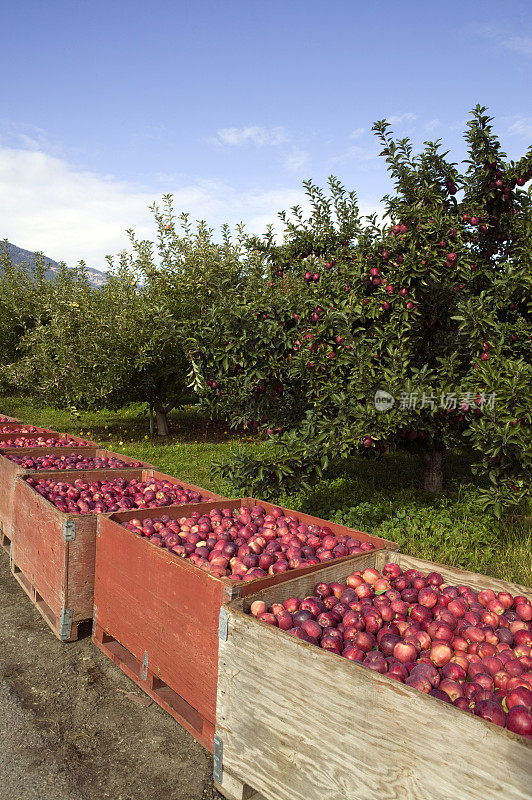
[441,653]
[519,697]
[492,711]
[519,720]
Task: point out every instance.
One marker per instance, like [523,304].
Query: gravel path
[74,727]
[28,771]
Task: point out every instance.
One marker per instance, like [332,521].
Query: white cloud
[296,160]
[256,134]
[71,214]
[398,119]
[521,127]
[518,44]
[431,125]
[358,153]
[357,133]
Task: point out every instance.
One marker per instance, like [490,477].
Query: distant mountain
[20,256]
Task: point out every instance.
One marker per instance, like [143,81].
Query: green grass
[380,497]
[188,452]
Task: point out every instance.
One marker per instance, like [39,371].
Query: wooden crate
[9,472]
[4,418]
[17,429]
[52,553]
[55,434]
[295,722]
[167,642]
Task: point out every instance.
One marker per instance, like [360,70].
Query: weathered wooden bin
[76,440]
[3,418]
[15,429]
[295,722]
[167,642]
[9,472]
[52,553]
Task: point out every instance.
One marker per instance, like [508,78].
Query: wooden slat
[299,723]
[233,789]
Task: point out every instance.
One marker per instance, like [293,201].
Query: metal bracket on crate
[228,594]
[218,760]
[223,623]
[144,671]
[94,618]
[65,623]
[69,530]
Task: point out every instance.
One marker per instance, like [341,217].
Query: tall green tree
[135,338]
[23,292]
[392,345]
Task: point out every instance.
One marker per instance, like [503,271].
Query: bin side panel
[298,723]
[39,550]
[149,600]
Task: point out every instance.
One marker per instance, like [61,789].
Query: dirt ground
[72,726]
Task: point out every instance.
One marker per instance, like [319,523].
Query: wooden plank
[300,723]
[38,547]
[234,789]
[53,621]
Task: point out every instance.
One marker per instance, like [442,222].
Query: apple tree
[394,350]
[134,338]
[23,293]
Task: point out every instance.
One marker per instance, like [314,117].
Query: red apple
[519,720]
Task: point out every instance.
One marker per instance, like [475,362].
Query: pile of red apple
[41,441]
[54,461]
[471,649]
[246,543]
[19,429]
[113,494]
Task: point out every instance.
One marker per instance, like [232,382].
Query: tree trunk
[432,471]
[162,422]
[152,421]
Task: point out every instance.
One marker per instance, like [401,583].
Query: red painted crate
[9,471]
[14,429]
[167,639]
[55,434]
[52,553]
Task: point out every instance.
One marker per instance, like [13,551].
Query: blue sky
[105,106]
